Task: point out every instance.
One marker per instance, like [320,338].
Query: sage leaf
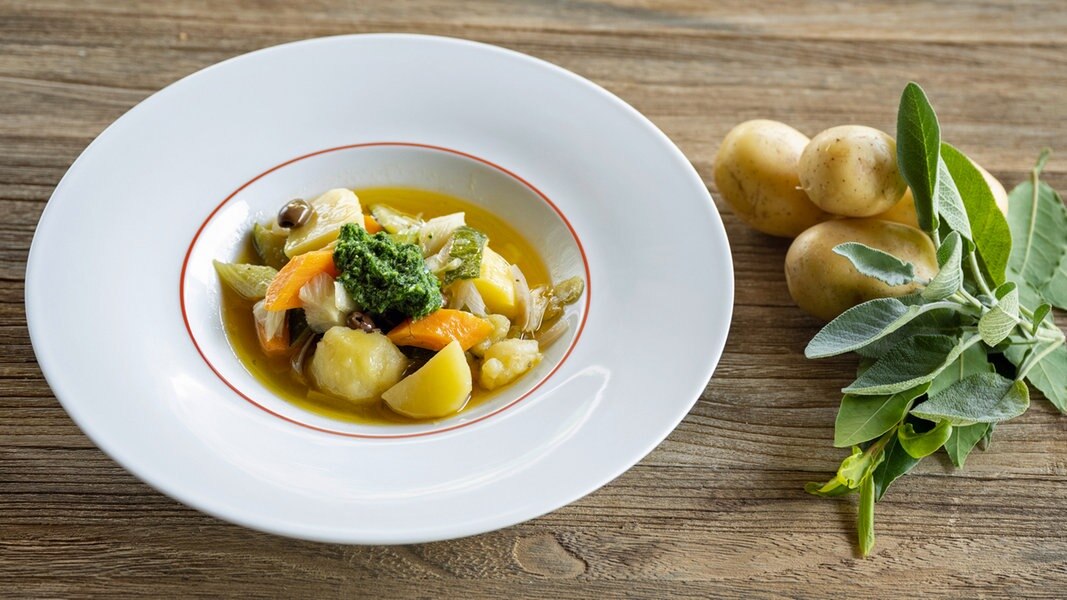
[858,467]
[963,440]
[949,278]
[932,322]
[973,360]
[921,445]
[914,361]
[862,418]
[950,204]
[1049,375]
[981,398]
[865,519]
[918,152]
[896,463]
[989,228]
[830,489]
[866,323]
[875,263]
[996,324]
[1039,315]
[1038,223]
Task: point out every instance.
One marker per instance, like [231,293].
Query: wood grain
[718,510]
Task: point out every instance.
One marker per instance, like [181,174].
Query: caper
[294,214]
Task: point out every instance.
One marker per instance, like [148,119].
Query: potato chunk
[356,365]
[495,284]
[439,388]
[330,211]
[505,361]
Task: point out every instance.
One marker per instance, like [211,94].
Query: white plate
[123,306]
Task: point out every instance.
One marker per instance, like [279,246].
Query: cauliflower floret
[501,326]
[506,360]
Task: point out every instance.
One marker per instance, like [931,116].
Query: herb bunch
[940,368]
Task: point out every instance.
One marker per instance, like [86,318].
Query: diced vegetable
[569,290]
[523,299]
[547,337]
[269,242]
[501,326]
[539,298]
[439,388]
[495,284]
[356,365]
[465,295]
[284,289]
[505,361]
[440,328]
[383,276]
[394,221]
[272,329]
[466,247]
[333,209]
[249,281]
[371,225]
[435,233]
[318,297]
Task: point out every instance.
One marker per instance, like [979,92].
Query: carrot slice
[284,290]
[440,327]
[371,225]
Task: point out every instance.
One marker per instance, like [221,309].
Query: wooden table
[718,509]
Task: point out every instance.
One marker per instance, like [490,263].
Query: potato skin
[756,173]
[825,284]
[851,170]
[904,211]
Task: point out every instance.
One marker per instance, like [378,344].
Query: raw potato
[756,173]
[356,365]
[505,361]
[331,210]
[439,388]
[904,211]
[851,170]
[826,284]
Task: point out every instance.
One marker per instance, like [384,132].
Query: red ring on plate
[574,234]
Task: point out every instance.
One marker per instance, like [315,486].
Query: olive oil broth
[276,374]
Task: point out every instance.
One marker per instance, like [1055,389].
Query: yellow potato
[904,211]
[495,284]
[851,171]
[439,388]
[355,365]
[825,284]
[756,173]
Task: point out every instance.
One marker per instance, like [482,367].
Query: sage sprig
[929,378]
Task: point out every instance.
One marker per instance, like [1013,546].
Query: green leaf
[918,152]
[934,322]
[1049,375]
[830,489]
[973,360]
[914,361]
[1038,222]
[862,418]
[858,466]
[950,205]
[866,323]
[949,278]
[1039,315]
[997,323]
[981,398]
[875,263]
[865,519]
[896,463]
[963,440]
[921,445]
[989,228]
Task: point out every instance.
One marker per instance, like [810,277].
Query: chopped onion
[443,261]
[272,320]
[342,300]
[539,297]
[522,298]
[434,233]
[320,305]
[304,345]
[553,333]
[466,295]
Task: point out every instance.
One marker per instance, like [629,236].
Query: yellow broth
[276,374]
